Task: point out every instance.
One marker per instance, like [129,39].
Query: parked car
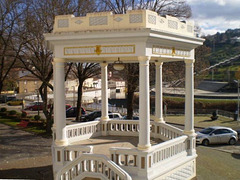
[216,135]
[133,118]
[112,116]
[16,102]
[91,116]
[238,131]
[34,106]
[5,98]
[72,112]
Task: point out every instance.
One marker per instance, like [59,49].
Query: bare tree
[177,8]
[35,56]
[10,46]
[83,71]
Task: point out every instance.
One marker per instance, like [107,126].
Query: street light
[37,91]
[238,100]
[237,81]
[73,96]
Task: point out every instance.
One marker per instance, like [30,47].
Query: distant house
[28,83]
[117,88]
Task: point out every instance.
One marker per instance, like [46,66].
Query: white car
[113,116]
[216,135]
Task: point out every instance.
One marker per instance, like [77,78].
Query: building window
[35,82]
[25,90]
[118,90]
[25,82]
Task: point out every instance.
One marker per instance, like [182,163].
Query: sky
[215,15]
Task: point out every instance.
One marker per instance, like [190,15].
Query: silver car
[217,135]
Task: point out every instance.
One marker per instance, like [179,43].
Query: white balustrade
[83,131]
[72,152]
[123,127]
[165,131]
[167,150]
[92,165]
[126,158]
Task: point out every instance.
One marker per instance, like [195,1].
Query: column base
[61,142]
[189,133]
[105,118]
[159,120]
[144,147]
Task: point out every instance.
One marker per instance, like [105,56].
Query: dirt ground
[24,155]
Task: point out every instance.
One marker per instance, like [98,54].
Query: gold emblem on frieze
[98,49]
[173,51]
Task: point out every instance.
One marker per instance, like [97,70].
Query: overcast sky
[216,15]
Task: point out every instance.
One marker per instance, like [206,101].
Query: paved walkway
[24,155]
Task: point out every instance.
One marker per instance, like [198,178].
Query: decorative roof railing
[131,20]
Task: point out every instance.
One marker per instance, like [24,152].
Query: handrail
[92,163]
[82,131]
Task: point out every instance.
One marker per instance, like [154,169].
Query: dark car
[91,116]
[5,98]
[72,112]
[133,118]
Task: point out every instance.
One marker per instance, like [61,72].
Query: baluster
[96,166]
[135,160]
[77,169]
[126,159]
[102,168]
[89,165]
[117,159]
[109,173]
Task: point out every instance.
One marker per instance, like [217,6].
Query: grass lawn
[214,164]
[205,121]
[13,123]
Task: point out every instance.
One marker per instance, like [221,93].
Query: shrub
[24,114]
[12,112]
[37,117]
[3,109]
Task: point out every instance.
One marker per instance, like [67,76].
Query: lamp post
[238,101]
[38,100]
[73,96]
[237,76]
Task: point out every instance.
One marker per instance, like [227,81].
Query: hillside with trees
[224,45]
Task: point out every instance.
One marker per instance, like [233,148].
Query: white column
[144,104]
[158,94]
[104,83]
[104,86]
[59,102]
[189,105]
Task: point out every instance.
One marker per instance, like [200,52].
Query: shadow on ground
[36,173]
[236,155]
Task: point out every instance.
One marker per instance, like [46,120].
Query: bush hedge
[12,112]
[3,109]
[179,103]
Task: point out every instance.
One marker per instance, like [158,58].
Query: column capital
[189,61]
[103,64]
[56,60]
[143,59]
[158,63]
